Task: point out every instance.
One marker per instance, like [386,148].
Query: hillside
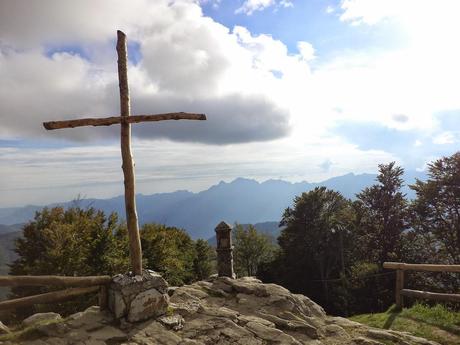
[434,323]
[242,201]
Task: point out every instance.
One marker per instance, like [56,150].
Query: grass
[436,323]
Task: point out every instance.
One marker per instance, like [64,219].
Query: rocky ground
[220,311]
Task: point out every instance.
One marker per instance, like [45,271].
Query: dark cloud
[230,119]
[400,118]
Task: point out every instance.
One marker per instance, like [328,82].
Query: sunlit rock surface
[219,312]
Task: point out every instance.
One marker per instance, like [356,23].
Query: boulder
[148,304]
[41,318]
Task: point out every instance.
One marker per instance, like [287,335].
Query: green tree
[436,210]
[252,249]
[382,211]
[314,243]
[169,250]
[70,242]
[203,260]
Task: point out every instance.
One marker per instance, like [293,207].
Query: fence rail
[400,292]
[76,286]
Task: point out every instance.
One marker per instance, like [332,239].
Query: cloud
[251,6]
[400,118]
[326,165]
[188,63]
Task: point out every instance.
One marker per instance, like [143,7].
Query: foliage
[170,251]
[382,213]
[70,242]
[85,242]
[436,210]
[203,261]
[252,249]
[313,245]
[436,323]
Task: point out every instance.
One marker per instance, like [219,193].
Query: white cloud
[178,72]
[447,137]
[250,86]
[251,6]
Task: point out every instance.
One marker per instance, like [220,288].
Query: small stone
[174,322]
[41,318]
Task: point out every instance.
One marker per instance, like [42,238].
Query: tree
[252,248]
[382,212]
[169,250]
[203,260]
[436,210]
[70,242]
[312,242]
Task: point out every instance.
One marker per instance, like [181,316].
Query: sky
[300,90]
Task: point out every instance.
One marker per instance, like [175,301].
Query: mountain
[242,200]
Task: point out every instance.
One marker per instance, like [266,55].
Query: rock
[382,335]
[89,320]
[148,304]
[4,329]
[109,334]
[365,341]
[271,334]
[41,318]
[220,311]
[174,322]
[138,297]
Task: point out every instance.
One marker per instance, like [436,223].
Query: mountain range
[242,200]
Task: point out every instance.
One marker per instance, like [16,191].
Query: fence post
[103,297]
[224,250]
[399,287]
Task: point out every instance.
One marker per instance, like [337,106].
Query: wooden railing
[401,292]
[76,286]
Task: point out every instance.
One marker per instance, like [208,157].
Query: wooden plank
[127,158]
[399,287]
[431,295]
[54,281]
[49,297]
[421,267]
[113,120]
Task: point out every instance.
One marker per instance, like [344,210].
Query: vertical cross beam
[127,158]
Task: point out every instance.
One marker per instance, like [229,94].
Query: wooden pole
[431,295]
[54,281]
[399,287]
[112,120]
[421,267]
[103,297]
[127,158]
[49,297]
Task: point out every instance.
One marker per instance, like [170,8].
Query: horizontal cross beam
[107,121]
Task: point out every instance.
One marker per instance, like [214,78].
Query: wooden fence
[401,292]
[76,286]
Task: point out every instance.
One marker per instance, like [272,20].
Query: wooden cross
[128,166]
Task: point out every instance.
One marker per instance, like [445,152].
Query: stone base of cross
[125,121]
